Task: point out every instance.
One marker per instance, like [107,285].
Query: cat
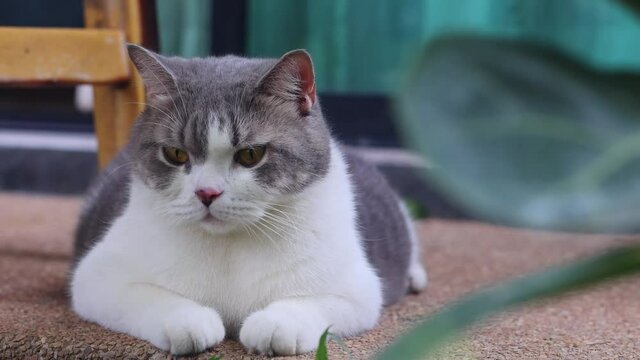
[233,212]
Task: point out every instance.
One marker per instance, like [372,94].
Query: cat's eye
[175,156]
[250,157]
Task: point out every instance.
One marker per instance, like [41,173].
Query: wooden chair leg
[116,106]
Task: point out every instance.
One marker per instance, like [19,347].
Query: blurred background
[573,60]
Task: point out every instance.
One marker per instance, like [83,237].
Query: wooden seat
[94,55]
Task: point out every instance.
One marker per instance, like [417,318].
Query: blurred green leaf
[523,135]
[215,357]
[428,336]
[415,209]
[322,353]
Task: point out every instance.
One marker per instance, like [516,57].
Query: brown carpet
[602,323]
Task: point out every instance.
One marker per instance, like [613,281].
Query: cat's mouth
[210,219]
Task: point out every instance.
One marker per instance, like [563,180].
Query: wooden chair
[94,55]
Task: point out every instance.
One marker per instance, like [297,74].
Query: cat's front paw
[272,332]
[192,329]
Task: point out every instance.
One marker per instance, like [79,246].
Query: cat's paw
[272,332]
[418,278]
[192,329]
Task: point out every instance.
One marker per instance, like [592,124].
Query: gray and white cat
[233,211]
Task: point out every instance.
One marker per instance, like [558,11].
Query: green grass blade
[322,353]
[428,336]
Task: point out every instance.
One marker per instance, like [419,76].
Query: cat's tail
[418,278]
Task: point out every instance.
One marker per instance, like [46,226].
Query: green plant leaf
[415,209]
[524,135]
[215,357]
[428,336]
[322,353]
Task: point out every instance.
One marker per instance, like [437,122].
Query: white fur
[418,278]
[277,285]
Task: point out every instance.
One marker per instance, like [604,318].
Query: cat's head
[221,141]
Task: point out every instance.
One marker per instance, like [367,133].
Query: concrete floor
[602,323]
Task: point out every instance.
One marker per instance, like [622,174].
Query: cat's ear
[159,81]
[292,79]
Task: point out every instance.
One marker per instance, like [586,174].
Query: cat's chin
[212,220]
[215,226]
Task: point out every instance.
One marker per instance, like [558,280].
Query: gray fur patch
[105,201]
[383,226]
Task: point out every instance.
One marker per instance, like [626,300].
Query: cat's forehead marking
[193,135]
[219,135]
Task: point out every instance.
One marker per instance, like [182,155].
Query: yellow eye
[250,157]
[175,156]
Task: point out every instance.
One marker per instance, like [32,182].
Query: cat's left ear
[292,80]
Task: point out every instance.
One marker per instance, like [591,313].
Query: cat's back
[383,224]
[105,201]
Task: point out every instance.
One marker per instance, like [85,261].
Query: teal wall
[184,27]
[363,46]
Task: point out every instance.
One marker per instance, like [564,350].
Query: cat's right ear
[159,81]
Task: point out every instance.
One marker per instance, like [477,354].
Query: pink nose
[207,195]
